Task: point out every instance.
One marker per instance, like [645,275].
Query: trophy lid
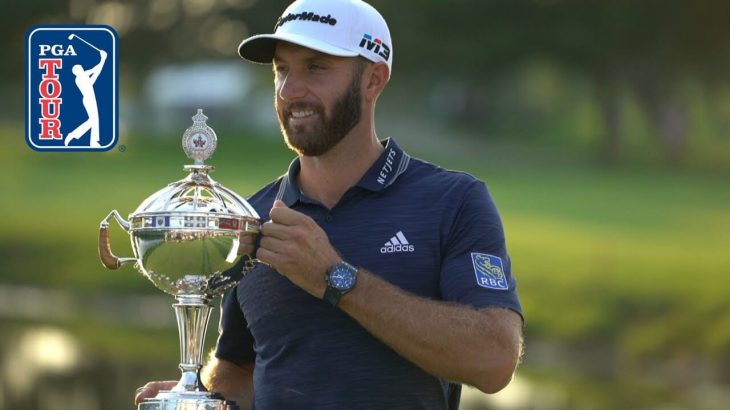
[198,196]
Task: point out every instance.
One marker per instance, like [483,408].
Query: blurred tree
[650,46]
[152,33]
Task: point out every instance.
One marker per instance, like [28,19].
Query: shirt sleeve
[235,342]
[475,268]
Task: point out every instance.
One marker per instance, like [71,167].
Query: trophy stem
[193,314]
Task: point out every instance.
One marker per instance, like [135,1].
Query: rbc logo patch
[489,271]
[71,88]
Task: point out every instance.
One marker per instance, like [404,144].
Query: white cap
[344,28]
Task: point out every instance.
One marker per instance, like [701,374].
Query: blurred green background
[601,128]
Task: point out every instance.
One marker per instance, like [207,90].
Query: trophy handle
[108,259]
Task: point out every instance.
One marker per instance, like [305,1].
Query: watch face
[342,277]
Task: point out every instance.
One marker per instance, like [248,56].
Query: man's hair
[360,64]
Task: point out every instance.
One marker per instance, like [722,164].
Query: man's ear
[375,78]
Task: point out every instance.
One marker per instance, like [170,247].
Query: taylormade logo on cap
[305,16]
[344,28]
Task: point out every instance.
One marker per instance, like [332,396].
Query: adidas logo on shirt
[398,243]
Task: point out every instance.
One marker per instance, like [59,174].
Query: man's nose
[291,87]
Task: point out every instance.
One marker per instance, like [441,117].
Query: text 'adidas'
[398,243]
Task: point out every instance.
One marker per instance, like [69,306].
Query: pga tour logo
[71,88]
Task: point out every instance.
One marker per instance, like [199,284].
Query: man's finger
[245,248]
[275,230]
[286,216]
[273,244]
[246,243]
[267,256]
[151,389]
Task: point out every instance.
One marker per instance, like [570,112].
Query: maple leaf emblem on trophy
[199,142]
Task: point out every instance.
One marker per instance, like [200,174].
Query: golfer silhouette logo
[71,88]
[85,80]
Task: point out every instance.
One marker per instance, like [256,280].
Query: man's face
[317,99]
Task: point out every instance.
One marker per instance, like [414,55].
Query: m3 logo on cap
[377,46]
[71,88]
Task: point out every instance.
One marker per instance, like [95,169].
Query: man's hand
[151,389]
[103,54]
[297,248]
[246,243]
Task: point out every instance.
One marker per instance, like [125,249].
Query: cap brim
[260,48]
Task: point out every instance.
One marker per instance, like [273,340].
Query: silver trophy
[185,239]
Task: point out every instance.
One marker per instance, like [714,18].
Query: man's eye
[315,67]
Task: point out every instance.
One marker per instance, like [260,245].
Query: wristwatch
[341,278]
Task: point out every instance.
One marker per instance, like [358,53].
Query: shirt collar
[288,190]
[386,169]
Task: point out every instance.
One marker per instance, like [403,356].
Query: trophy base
[170,400]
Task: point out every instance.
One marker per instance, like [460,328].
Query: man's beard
[329,131]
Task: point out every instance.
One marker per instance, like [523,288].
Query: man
[386,281]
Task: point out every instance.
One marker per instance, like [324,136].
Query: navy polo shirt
[433,232]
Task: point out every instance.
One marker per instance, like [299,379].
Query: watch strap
[332,296]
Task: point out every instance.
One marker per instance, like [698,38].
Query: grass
[631,258]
